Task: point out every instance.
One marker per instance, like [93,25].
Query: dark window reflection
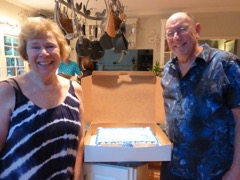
[7,40]
[11,71]
[20,62]
[20,71]
[10,61]
[15,52]
[8,51]
[15,41]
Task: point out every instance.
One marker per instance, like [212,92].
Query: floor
[154,170]
[154,176]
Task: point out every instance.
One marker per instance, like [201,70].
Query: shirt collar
[206,54]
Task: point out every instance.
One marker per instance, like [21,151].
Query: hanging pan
[120,41]
[97,50]
[83,45]
[106,41]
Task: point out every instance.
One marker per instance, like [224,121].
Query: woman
[69,69]
[41,132]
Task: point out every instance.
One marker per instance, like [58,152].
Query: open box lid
[123,96]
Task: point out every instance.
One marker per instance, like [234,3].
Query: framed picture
[230,46]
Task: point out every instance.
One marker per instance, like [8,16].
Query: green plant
[157,69]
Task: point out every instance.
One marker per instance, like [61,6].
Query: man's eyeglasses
[181,31]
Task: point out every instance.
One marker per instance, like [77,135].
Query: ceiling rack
[80,12]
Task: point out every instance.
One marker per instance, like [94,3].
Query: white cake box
[124,99]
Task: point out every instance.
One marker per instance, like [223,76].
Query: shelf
[131,32]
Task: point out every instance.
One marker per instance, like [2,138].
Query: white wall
[220,25]
[12,13]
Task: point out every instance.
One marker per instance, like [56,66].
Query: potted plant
[157,69]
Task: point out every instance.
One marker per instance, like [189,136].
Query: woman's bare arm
[7,102]
[79,159]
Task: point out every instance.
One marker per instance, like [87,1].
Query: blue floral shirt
[199,121]
[71,68]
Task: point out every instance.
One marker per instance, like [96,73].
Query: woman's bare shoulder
[7,95]
[78,90]
[77,87]
[6,89]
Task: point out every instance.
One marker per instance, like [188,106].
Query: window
[14,63]
[0,70]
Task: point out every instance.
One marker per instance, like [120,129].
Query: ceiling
[143,7]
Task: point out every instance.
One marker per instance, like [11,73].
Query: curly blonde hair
[38,27]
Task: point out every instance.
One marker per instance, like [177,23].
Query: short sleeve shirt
[71,68]
[199,121]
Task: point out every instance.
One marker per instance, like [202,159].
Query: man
[69,68]
[201,90]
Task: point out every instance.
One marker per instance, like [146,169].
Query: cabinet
[165,53]
[100,171]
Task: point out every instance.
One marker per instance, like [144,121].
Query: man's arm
[234,172]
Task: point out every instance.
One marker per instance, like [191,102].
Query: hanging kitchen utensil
[123,17]
[57,15]
[66,22]
[123,53]
[110,28]
[76,23]
[66,27]
[106,41]
[97,50]
[83,45]
[65,12]
[120,42]
[123,27]
[79,9]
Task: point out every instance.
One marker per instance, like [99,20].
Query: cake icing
[126,137]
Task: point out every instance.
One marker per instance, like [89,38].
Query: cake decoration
[126,137]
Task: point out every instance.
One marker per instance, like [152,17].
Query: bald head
[184,16]
[182,34]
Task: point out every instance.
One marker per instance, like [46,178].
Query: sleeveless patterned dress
[41,143]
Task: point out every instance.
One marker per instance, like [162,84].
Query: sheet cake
[128,137]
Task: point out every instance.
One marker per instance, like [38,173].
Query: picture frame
[230,46]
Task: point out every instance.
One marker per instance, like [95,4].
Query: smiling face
[43,54]
[43,45]
[182,34]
